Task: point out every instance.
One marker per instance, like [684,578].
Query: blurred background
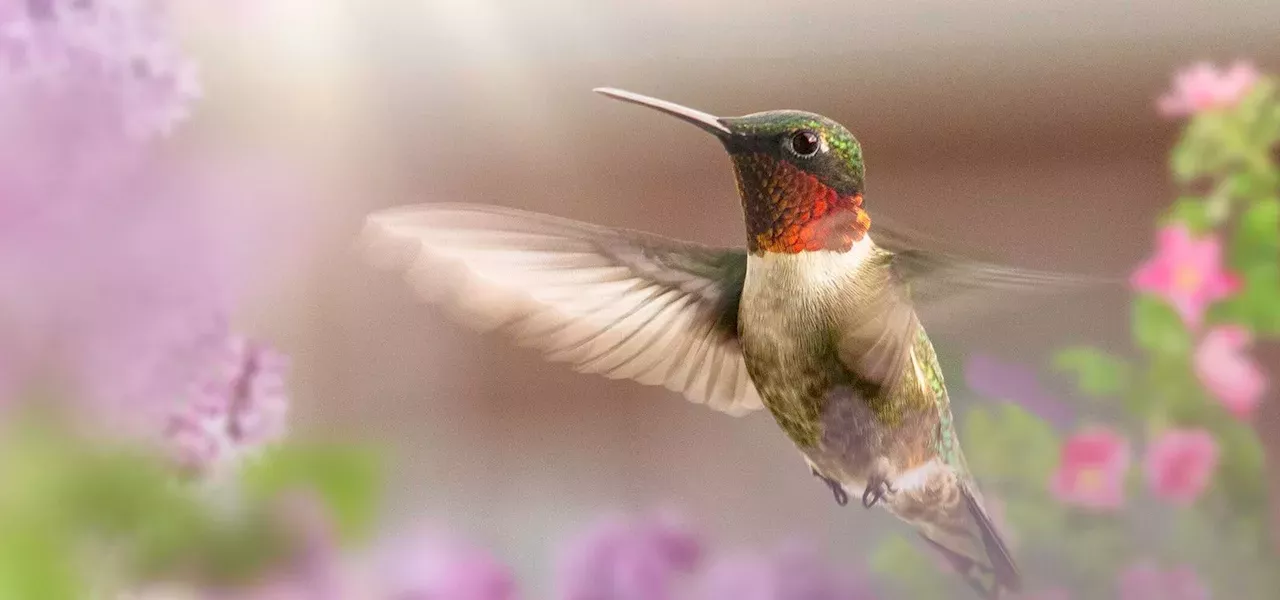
[1020,131]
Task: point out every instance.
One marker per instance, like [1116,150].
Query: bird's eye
[805,143]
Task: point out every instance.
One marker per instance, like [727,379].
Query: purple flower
[793,573]
[1146,581]
[426,565]
[627,559]
[113,55]
[233,407]
[1015,383]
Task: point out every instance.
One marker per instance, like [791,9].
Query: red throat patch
[789,211]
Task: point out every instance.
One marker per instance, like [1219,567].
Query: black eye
[805,143]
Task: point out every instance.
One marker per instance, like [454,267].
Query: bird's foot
[837,490]
[877,488]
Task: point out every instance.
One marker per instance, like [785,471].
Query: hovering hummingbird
[812,320]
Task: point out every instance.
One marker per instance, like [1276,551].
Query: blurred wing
[620,303]
[908,282]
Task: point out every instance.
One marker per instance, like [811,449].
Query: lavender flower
[235,406]
[628,559]
[115,52]
[795,572]
[427,565]
[1011,382]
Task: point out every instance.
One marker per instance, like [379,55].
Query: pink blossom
[428,564]
[234,406]
[1187,272]
[1146,581]
[627,559]
[1044,594]
[795,571]
[1180,463]
[1092,470]
[1228,372]
[1202,87]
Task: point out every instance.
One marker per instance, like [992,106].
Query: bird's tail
[975,549]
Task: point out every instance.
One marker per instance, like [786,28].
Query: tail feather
[977,552]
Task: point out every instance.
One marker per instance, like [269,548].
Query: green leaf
[912,573]
[1097,373]
[1192,212]
[1257,305]
[1009,445]
[1257,239]
[1157,328]
[345,479]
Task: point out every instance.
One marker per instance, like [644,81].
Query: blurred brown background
[1025,131]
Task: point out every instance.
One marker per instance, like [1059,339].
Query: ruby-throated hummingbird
[813,320]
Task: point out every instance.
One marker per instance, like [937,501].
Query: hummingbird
[813,320]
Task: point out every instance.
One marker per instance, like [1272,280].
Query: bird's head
[800,175]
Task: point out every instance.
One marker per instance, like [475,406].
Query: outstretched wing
[905,282]
[620,303]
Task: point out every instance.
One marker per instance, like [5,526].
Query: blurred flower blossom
[1045,594]
[1092,469]
[1145,581]
[426,565]
[1187,272]
[1228,372]
[1180,463]
[795,572]
[235,406]
[1202,87]
[1016,383]
[627,559]
[117,51]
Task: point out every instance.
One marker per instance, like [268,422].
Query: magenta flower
[627,559]
[428,565]
[1092,469]
[1227,372]
[1180,464]
[792,573]
[1202,87]
[1187,272]
[1145,581]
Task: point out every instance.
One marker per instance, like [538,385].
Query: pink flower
[794,572]
[234,405]
[1145,581]
[626,559]
[1227,372]
[1092,469]
[426,564]
[1045,594]
[1180,463]
[1202,87]
[1187,272]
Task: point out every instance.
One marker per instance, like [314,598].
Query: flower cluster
[1171,434]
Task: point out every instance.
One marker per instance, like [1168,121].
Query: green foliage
[1192,212]
[64,499]
[990,433]
[345,480]
[1255,257]
[1158,329]
[911,572]
[1097,373]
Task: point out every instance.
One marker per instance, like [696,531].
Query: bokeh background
[1021,131]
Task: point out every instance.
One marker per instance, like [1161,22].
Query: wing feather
[620,303]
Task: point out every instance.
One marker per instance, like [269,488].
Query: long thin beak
[707,122]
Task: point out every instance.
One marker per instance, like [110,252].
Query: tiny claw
[837,490]
[876,490]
